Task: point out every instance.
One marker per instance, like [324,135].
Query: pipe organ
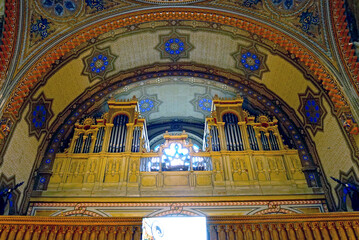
[241,155]
[117,128]
[231,128]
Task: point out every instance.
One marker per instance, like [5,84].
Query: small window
[175,158]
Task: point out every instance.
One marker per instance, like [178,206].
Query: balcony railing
[301,226]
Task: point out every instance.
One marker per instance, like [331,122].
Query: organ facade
[243,157]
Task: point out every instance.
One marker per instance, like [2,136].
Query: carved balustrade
[336,226]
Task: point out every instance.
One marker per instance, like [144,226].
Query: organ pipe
[99,140]
[264,140]
[118,134]
[136,140]
[273,141]
[252,138]
[78,145]
[215,139]
[232,133]
[110,146]
[87,144]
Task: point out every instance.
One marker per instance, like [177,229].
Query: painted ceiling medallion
[99,63]
[202,103]
[312,110]
[174,46]
[148,104]
[39,115]
[250,61]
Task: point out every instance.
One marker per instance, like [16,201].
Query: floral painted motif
[308,19]
[99,5]
[40,28]
[286,4]
[60,7]
[250,3]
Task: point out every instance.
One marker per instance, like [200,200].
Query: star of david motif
[39,115]
[99,63]
[174,46]
[250,61]
[312,110]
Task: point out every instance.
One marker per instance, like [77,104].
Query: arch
[230,112]
[118,114]
[34,75]
[291,125]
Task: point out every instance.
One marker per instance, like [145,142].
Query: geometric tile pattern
[250,61]
[174,46]
[39,115]
[99,63]
[312,110]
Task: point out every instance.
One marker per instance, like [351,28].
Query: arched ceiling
[276,55]
[174,104]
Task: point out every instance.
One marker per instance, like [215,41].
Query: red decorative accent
[8,39]
[343,42]
[87,127]
[264,124]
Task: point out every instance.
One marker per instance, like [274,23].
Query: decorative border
[43,65]
[177,208]
[9,36]
[343,42]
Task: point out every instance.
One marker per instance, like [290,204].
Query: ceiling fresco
[285,57]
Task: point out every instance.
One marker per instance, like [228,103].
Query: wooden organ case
[241,155]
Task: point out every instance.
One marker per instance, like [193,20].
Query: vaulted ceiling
[71,56]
